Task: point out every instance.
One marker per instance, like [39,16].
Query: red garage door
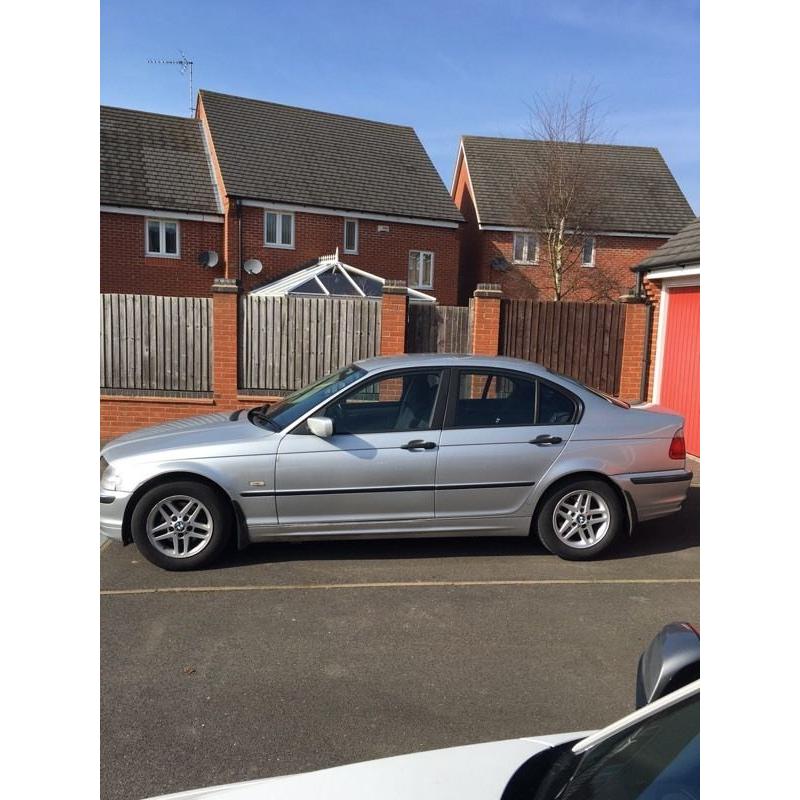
[680,371]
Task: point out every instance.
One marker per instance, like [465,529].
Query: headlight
[109,477]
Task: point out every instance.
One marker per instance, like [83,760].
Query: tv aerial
[186,69]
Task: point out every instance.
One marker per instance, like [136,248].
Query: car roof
[451,360]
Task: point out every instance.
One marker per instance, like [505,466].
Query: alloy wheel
[581,519]
[179,526]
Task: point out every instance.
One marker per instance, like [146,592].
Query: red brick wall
[125,268]
[384,254]
[632,351]
[614,257]
[393,322]
[485,325]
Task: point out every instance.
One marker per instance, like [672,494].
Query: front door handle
[418,444]
[546,439]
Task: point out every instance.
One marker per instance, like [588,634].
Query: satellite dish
[500,264]
[253,266]
[209,258]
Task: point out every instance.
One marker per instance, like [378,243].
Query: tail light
[677,447]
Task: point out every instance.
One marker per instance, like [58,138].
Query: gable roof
[640,194]
[283,154]
[682,250]
[154,161]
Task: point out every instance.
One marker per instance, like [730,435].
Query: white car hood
[473,772]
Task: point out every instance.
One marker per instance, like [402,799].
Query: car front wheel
[181,525]
[580,520]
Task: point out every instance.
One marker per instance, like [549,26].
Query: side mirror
[321,426]
[672,660]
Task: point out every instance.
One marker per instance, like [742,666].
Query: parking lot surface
[300,656]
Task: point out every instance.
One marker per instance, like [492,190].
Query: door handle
[546,439]
[418,444]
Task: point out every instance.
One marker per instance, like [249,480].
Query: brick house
[297,184]
[159,207]
[641,208]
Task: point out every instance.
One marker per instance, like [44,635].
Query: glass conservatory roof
[329,277]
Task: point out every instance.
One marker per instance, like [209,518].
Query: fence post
[225,299]
[394,308]
[486,320]
[633,351]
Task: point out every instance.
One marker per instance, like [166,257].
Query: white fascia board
[162,214]
[333,212]
[675,272]
[518,229]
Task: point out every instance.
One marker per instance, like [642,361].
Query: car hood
[473,772]
[191,436]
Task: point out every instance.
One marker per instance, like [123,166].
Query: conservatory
[329,277]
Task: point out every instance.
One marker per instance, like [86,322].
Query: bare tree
[560,190]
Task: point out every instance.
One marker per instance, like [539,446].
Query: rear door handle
[418,444]
[547,439]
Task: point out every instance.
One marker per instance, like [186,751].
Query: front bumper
[112,512]
[655,494]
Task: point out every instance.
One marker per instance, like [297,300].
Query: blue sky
[446,68]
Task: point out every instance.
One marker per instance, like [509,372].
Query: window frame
[527,234]
[455,381]
[421,253]
[354,250]
[279,215]
[438,406]
[591,262]
[162,237]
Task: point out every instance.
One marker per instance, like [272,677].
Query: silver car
[406,446]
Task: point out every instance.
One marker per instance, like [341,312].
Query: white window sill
[162,255]
[526,263]
[350,252]
[279,246]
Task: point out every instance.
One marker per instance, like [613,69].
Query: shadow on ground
[680,531]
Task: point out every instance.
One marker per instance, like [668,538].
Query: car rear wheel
[581,519]
[181,525]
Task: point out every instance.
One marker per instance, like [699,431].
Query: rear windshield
[615,401]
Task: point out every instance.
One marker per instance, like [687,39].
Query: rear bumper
[655,494]
[112,512]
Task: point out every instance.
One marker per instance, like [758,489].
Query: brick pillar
[633,351]
[486,320]
[225,298]
[394,307]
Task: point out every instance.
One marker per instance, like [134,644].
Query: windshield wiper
[256,414]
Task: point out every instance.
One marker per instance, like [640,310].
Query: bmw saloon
[403,446]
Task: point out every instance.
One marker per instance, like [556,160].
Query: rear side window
[485,399]
[555,408]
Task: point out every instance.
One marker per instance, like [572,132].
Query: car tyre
[181,525]
[580,520]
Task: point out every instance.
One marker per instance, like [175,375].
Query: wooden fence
[582,340]
[287,342]
[437,329]
[152,344]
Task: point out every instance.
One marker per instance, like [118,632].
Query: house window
[162,238]
[526,248]
[587,259]
[420,269]
[351,236]
[278,229]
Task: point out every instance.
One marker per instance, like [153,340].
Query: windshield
[291,408]
[655,758]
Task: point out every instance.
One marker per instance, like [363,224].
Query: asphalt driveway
[291,657]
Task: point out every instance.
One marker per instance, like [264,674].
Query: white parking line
[303,587]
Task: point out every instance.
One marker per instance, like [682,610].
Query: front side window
[420,269]
[351,236]
[486,399]
[392,403]
[162,238]
[278,229]
[526,248]
[658,757]
[587,258]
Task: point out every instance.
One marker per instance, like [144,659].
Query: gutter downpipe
[239,223]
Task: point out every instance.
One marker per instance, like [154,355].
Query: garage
[673,270]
